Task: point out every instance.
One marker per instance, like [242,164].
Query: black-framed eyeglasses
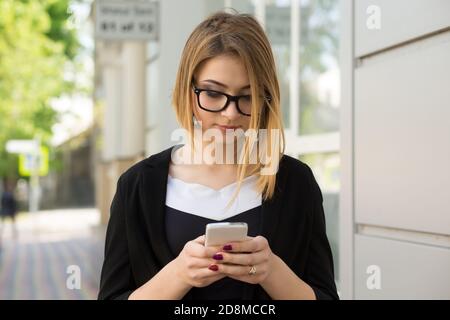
[216,101]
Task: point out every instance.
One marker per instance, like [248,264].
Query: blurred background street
[34,258]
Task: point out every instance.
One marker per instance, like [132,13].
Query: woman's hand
[195,265]
[238,260]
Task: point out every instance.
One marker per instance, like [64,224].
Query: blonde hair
[240,35]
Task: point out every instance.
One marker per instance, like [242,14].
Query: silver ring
[252,270]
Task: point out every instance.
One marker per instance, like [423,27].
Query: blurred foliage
[37,44]
[60,29]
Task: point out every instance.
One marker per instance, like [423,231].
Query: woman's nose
[231,111]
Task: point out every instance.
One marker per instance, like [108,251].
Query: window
[305,42]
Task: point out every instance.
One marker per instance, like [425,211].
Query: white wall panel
[402,138]
[401,20]
[407,270]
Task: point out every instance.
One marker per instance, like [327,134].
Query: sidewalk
[33,264]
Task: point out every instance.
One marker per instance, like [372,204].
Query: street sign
[126,20]
[33,161]
[21,146]
[26,162]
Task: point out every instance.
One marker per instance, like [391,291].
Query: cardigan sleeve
[320,269]
[116,278]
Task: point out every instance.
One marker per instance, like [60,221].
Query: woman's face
[227,74]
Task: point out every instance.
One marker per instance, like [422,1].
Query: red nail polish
[227,247]
[213,267]
[218,256]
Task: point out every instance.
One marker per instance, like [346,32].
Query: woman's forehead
[224,71]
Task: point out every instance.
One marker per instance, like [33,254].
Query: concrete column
[132,140]
[112,127]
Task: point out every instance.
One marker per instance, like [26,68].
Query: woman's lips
[227,127]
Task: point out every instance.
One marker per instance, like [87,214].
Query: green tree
[36,45]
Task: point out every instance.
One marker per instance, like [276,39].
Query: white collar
[203,201]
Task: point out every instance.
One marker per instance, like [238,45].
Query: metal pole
[34,178]
[34,182]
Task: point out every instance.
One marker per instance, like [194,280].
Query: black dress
[190,207]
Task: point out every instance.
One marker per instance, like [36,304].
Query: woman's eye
[213,94]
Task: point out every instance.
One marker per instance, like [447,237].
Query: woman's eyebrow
[223,85]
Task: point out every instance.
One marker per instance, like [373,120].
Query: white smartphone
[220,233]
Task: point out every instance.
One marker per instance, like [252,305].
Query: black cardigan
[136,247]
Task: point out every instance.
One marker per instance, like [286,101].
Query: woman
[154,249]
